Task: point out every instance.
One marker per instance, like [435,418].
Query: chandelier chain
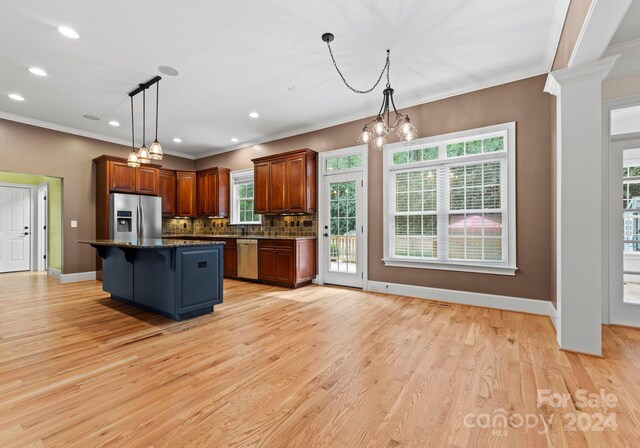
[387,64]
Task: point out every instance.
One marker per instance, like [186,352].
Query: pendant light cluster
[144,155]
[376,131]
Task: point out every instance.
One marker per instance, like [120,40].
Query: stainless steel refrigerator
[134,217]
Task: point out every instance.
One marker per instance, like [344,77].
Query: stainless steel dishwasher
[247,258]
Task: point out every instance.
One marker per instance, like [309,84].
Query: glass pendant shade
[155,150]
[366,136]
[132,161]
[406,127]
[143,155]
[379,142]
[408,137]
[380,128]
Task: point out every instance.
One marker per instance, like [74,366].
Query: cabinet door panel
[278,186]
[203,194]
[147,180]
[122,178]
[285,266]
[296,188]
[212,194]
[267,264]
[186,194]
[230,262]
[261,187]
[168,193]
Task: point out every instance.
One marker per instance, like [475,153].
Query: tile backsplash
[305,225]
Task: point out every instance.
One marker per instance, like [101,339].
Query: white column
[580,238]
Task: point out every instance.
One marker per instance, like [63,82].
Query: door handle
[24,234]
[325,235]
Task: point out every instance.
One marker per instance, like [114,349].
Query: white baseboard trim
[72,278]
[507,303]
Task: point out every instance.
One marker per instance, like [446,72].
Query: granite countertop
[152,243]
[240,237]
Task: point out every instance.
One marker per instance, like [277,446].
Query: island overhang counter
[179,279]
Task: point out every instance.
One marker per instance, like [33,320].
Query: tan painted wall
[34,150]
[576,15]
[621,87]
[523,102]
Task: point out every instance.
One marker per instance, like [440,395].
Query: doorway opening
[624,226]
[30,223]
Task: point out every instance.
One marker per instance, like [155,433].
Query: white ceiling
[629,28]
[238,56]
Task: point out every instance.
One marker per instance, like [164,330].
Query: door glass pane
[343,239]
[631,225]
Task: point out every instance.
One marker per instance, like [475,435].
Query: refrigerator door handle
[141,226]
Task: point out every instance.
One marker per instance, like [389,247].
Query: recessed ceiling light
[254,114]
[177,140]
[167,70]
[68,32]
[91,117]
[234,140]
[16,97]
[37,71]
[114,123]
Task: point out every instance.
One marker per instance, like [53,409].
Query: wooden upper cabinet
[278,186]
[148,180]
[296,190]
[203,194]
[168,192]
[186,193]
[286,183]
[261,187]
[213,192]
[122,178]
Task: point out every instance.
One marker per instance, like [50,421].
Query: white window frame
[237,178]
[507,267]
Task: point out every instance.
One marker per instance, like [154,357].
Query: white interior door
[341,235]
[15,234]
[624,300]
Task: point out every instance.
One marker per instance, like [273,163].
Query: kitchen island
[179,279]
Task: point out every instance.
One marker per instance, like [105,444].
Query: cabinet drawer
[285,244]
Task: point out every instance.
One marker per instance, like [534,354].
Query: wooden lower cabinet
[290,263]
[287,262]
[230,258]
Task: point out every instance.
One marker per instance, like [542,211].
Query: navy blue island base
[176,278]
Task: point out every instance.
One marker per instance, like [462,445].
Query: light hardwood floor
[318,366]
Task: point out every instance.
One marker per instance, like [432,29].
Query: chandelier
[376,131]
[144,155]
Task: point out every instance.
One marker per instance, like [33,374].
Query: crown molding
[69,130]
[559,17]
[631,46]
[598,69]
[447,92]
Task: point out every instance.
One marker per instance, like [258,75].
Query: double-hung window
[242,198]
[450,202]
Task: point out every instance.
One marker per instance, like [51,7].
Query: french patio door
[624,300]
[341,232]
[15,234]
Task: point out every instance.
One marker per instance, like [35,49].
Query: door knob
[325,235]
[24,234]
